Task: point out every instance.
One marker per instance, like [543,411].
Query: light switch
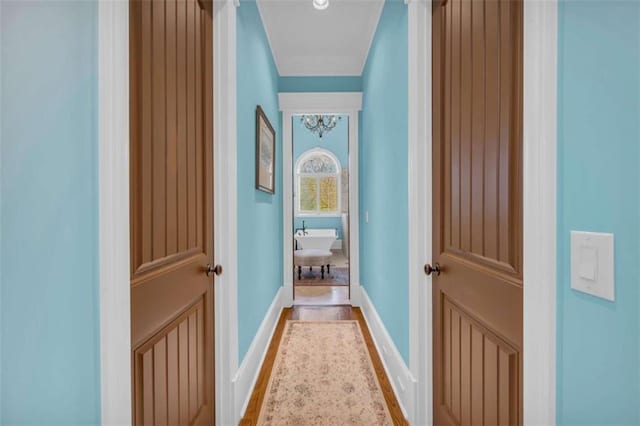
[588,266]
[592,264]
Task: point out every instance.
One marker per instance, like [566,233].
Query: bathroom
[321,209]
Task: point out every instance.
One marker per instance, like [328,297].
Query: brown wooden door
[171,63]
[477,199]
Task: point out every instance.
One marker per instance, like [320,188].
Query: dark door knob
[214,270]
[435,269]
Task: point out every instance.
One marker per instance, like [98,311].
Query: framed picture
[265,153]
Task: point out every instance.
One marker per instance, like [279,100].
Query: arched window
[318,184]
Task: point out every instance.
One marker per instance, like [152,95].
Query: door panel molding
[157,267]
[161,357]
[496,362]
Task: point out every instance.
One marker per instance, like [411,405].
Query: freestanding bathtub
[316,239]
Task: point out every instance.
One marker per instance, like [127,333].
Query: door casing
[539,221]
[346,103]
[540,105]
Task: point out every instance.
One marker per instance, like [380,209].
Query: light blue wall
[599,161]
[336,141]
[48,269]
[259,214]
[383,174]
[320,84]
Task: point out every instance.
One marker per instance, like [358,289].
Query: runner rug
[323,375]
[336,277]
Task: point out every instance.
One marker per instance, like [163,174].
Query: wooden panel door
[477,199]
[171,66]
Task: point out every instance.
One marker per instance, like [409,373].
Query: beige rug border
[278,359]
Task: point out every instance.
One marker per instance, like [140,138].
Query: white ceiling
[310,42]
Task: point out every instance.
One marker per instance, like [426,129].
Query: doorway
[320,234]
[171,209]
[294,106]
[477,212]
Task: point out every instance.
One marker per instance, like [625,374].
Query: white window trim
[338,175]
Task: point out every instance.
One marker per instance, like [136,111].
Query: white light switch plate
[592,264]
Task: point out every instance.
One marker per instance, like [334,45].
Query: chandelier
[320,124]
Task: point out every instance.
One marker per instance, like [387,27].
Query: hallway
[456,182]
[326,315]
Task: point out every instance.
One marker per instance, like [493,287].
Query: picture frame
[265,153]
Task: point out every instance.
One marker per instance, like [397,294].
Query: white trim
[226,217]
[287,203]
[540,183]
[315,215]
[354,205]
[113,134]
[347,103]
[539,153]
[247,375]
[420,208]
[403,383]
[1,101]
[342,103]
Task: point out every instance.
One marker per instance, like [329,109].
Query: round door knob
[214,270]
[435,269]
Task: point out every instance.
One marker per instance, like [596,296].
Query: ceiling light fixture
[320,124]
[321,4]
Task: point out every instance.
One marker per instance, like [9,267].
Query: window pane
[319,163]
[328,194]
[308,192]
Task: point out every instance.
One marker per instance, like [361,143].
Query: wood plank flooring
[319,313]
[321,295]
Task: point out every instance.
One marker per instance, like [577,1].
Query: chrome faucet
[303,229]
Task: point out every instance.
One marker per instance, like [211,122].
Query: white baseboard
[249,370]
[403,383]
[355,294]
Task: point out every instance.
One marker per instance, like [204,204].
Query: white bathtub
[317,239]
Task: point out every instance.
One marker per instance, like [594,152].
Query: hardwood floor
[319,313]
[321,295]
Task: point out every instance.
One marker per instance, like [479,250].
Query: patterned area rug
[323,375]
[337,277]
